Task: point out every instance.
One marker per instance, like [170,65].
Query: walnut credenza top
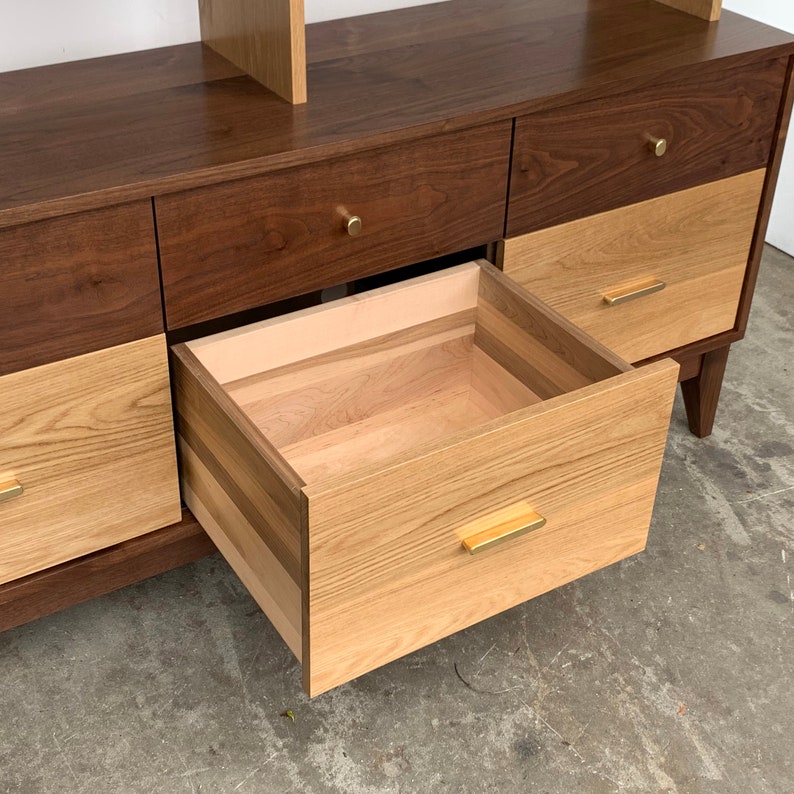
[87,134]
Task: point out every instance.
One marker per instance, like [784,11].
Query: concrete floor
[670,672]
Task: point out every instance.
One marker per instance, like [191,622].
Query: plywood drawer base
[340,456]
[90,440]
[693,244]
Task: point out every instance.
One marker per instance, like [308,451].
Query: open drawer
[360,464]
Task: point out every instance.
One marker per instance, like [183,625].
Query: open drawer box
[360,462]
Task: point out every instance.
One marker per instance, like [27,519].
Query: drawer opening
[367,378]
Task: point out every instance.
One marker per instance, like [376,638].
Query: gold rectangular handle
[10,489]
[619,296]
[503,525]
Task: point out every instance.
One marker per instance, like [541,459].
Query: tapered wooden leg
[701,394]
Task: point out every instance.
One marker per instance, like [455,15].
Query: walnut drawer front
[88,456]
[348,459]
[78,283]
[588,158]
[238,245]
[650,277]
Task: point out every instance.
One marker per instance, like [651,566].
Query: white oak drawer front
[387,469]
[650,277]
[88,456]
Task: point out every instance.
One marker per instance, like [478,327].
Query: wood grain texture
[102,572]
[705,9]
[150,123]
[77,284]
[251,350]
[91,440]
[86,84]
[696,241]
[244,463]
[552,342]
[283,235]
[264,37]
[337,391]
[593,157]
[312,440]
[772,171]
[588,461]
[702,394]
[271,585]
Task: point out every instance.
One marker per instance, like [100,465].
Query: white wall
[38,32]
[779,13]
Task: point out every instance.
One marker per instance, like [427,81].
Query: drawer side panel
[241,463]
[268,581]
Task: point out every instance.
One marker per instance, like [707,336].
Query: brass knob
[657,145]
[352,223]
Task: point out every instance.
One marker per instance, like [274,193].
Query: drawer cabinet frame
[141,127]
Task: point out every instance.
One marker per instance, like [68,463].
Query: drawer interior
[367,378]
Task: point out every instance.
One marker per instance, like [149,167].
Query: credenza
[407,352]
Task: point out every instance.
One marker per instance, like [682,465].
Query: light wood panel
[264,37]
[240,458]
[696,241]
[368,402]
[298,336]
[90,439]
[332,403]
[549,354]
[241,544]
[705,9]
[388,574]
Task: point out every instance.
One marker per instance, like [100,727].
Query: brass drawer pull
[10,490]
[352,223]
[509,523]
[657,145]
[636,291]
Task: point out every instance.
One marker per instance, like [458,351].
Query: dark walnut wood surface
[78,136]
[594,156]
[78,284]
[229,247]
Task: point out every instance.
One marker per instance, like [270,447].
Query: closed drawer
[78,283]
[650,277]
[87,456]
[340,456]
[595,156]
[241,244]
